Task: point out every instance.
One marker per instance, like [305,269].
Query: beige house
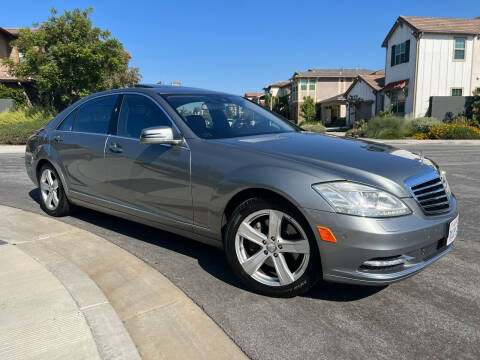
[7,35]
[326,87]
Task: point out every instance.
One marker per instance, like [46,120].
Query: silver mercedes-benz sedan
[288,207]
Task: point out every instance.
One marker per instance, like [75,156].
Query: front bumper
[417,239]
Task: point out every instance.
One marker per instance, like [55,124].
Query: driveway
[435,314]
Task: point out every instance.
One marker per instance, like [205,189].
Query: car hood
[345,158]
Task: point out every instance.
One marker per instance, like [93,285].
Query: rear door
[154,179]
[80,143]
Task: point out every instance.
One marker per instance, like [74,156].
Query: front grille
[431,196]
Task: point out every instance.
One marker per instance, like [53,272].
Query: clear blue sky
[239,46]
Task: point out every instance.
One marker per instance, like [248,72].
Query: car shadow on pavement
[208,257]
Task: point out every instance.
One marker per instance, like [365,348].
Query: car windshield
[214,116]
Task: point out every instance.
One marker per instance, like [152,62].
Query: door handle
[58,139]
[114,147]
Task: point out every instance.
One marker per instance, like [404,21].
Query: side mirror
[159,135]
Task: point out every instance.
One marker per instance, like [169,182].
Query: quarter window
[138,113]
[459,49]
[457,92]
[94,116]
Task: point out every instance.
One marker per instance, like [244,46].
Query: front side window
[457,92]
[213,116]
[138,113]
[311,85]
[67,123]
[303,84]
[95,115]
[459,49]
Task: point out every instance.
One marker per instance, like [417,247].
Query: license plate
[452,231]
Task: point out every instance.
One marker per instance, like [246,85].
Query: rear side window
[67,123]
[94,116]
[138,113]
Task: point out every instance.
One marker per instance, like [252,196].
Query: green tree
[307,109]
[159,82]
[68,58]
[125,77]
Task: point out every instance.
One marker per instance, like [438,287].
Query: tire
[50,183]
[293,248]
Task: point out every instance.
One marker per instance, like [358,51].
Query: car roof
[161,90]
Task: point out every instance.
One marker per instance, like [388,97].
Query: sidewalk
[66,293]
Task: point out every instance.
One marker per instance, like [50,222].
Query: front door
[153,179]
[80,142]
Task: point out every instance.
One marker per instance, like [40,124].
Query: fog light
[326,234]
[383,263]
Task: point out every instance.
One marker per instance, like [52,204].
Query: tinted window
[67,123]
[138,113]
[219,116]
[94,116]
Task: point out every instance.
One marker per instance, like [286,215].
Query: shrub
[388,127]
[338,122]
[313,126]
[423,124]
[16,94]
[453,131]
[16,126]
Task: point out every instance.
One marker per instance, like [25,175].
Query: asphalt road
[433,315]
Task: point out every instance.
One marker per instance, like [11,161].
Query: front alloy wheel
[271,252]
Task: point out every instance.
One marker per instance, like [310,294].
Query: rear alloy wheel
[269,248]
[52,195]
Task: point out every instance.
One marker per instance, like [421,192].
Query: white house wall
[365,93]
[438,72]
[402,71]
[476,64]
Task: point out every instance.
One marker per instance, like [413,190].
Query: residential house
[256,97]
[428,57]
[7,35]
[326,87]
[279,88]
[365,97]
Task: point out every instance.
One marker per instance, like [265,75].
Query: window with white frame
[311,84]
[459,50]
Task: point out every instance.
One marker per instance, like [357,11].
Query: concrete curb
[123,300]
[11,149]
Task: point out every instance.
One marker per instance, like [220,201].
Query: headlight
[361,200]
[445,183]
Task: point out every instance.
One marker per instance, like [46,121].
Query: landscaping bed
[392,127]
[17,126]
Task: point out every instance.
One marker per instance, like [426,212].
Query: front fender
[293,185]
